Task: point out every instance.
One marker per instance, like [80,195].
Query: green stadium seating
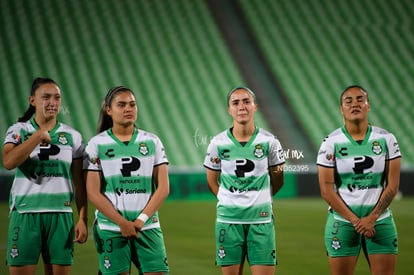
[170,53]
[317,48]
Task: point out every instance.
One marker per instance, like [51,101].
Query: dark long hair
[37,82]
[105,121]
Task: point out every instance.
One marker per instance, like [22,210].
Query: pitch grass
[189,225]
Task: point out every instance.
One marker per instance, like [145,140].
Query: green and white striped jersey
[127,171]
[244,195]
[43,183]
[359,166]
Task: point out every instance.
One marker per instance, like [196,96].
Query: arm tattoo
[383,203]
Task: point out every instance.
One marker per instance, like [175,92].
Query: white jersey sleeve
[212,159]
[276,153]
[13,134]
[393,148]
[91,161]
[160,155]
[326,153]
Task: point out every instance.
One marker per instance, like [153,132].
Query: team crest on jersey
[376,147]
[63,139]
[221,253]
[258,151]
[143,149]
[107,262]
[336,244]
[14,252]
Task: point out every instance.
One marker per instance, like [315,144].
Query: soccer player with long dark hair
[48,157]
[127,182]
[359,174]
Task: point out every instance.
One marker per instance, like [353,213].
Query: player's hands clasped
[129,230]
[365,226]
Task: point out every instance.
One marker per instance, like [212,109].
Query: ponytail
[28,114]
[104,121]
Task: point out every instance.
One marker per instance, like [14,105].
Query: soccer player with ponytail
[48,157]
[127,182]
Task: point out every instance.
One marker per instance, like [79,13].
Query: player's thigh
[114,251]
[382,263]
[24,239]
[150,251]
[261,244]
[22,270]
[263,269]
[56,269]
[232,269]
[385,240]
[341,239]
[58,238]
[230,243]
[382,249]
[343,265]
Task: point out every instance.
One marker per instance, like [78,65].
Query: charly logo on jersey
[258,151]
[63,139]
[395,243]
[26,136]
[224,153]
[343,151]
[143,149]
[110,153]
[376,147]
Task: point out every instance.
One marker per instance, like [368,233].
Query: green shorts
[341,239]
[32,234]
[115,253]
[235,242]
